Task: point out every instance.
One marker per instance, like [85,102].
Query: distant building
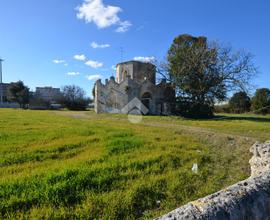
[4,88]
[6,103]
[48,94]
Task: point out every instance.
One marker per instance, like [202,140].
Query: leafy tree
[203,72]
[74,98]
[261,101]
[18,92]
[240,102]
[93,91]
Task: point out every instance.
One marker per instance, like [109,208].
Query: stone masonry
[248,199]
[134,80]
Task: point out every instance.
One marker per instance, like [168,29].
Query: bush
[240,103]
[260,103]
[194,110]
[74,98]
[222,108]
[38,103]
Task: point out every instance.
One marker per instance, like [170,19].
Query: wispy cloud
[96,45]
[93,64]
[57,61]
[73,73]
[145,59]
[113,67]
[123,27]
[81,57]
[94,77]
[102,15]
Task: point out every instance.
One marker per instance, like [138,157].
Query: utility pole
[1,82]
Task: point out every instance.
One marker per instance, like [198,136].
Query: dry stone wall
[248,199]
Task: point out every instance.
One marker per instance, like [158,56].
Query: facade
[4,91]
[134,79]
[48,94]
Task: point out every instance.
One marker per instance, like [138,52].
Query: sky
[64,42]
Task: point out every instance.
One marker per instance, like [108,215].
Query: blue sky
[39,39]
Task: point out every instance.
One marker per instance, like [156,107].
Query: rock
[248,199]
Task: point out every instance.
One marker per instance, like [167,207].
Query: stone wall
[112,96]
[138,71]
[248,199]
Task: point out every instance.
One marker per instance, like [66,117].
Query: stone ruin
[134,80]
[248,199]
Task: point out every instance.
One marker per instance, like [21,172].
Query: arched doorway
[146,100]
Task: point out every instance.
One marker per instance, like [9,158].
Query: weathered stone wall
[136,70]
[248,199]
[112,96]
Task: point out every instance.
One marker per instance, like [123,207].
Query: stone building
[4,90]
[134,81]
[48,94]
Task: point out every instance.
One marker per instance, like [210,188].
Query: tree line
[241,102]
[72,97]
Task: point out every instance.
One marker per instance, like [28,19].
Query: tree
[74,98]
[18,92]
[240,102]
[203,72]
[261,101]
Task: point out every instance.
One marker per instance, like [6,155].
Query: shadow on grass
[232,117]
[241,117]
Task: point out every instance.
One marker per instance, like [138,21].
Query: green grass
[61,164]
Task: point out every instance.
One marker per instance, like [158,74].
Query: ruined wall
[112,96]
[137,71]
[248,199]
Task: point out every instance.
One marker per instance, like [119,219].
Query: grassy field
[62,164]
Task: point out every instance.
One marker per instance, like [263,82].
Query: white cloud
[95,11]
[113,67]
[93,77]
[145,59]
[56,61]
[93,64]
[96,45]
[73,73]
[102,15]
[123,26]
[81,57]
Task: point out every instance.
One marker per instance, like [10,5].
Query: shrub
[261,101]
[74,98]
[240,102]
[222,108]
[190,109]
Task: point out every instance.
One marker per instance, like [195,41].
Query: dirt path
[187,129]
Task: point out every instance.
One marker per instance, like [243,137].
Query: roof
[133,61]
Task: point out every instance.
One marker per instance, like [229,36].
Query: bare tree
[203,72]
[73,97]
